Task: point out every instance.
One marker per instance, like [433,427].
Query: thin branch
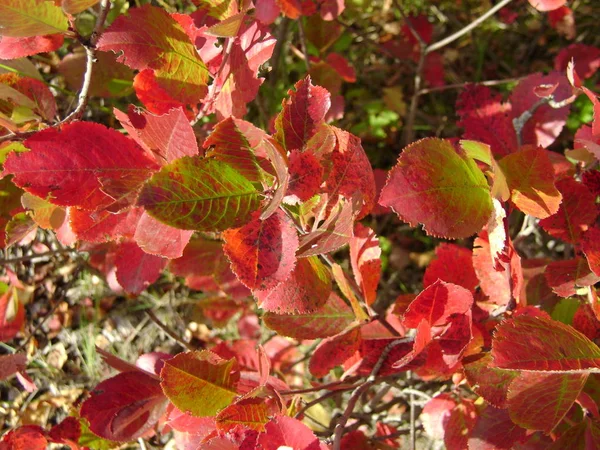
[520,122]
[168,331]
[90,59]
[316,401]
[340,426]
[437,45]
[409,128]
[275,58]
[302,37]
[462,85]
[34,257]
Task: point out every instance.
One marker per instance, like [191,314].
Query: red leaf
[333,233]
[301,115]
[251,413]
[530,178]
[149,38]
[342,66]
[365,257]
[454,264]
[12,315]
[306,175]
[266,11]
[586,322]
[585,435]
[19,47]
[459,425]
[437,303]
[67,430]
[586,58]
[202,261]
[136,269]
[241,145]
[334,351]
[305,290]
[124,407]
[540,344]
[199,382]
[28,437]
[565,277]
[499,280]
[539,401]
[576,213]
[485,118]
[11,364]
[158,239]
[436,414]
[351,171]
[546,123]
[489,382]
[420,190]
[42,100]
[262,252]
[84,164]
[433,70]
[283,431]
[103,226]
[590,246]
[371,350]
[237,83]
[547,5]
[495,431]
[168,137]
[332,318]
[153,96]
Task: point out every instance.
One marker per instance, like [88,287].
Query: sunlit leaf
[434,185]
[193,193]
[24,18]
[199,382]
[329,320]
[539,344]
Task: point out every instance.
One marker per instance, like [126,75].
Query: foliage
[205,159]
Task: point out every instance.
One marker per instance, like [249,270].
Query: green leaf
[193,193]
[26,18]
[199,382]
[437,186]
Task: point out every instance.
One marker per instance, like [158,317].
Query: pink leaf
[158,239]
[167,137]
[136,269]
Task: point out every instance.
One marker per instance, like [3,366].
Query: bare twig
[302,37]
[409,132]
[462,85]
[35,257]
[519,122]
[340,426]
[90,58]
[168,331]
[437,45]
[275,59]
